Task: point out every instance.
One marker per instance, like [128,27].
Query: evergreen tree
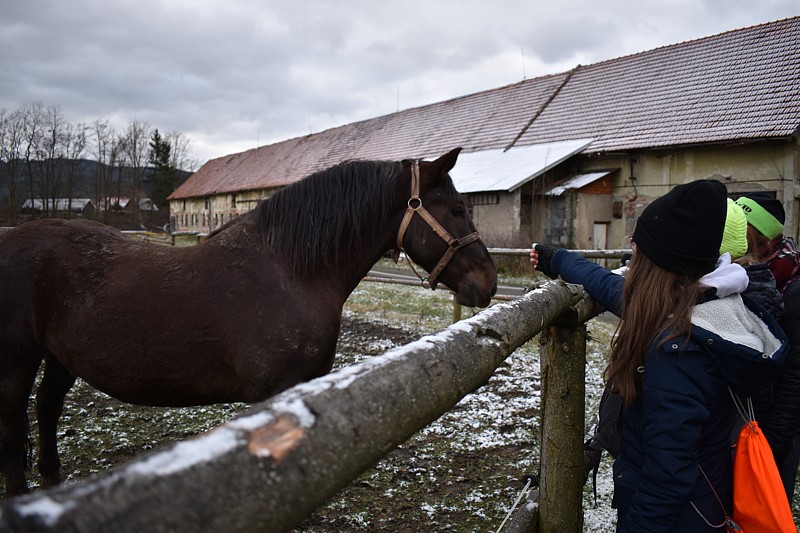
[165,177]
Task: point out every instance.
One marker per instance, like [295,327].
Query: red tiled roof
[743,84]
[739,85]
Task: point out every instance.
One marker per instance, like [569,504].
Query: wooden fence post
[562,357]
[456,310]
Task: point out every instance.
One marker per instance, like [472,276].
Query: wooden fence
[273,465]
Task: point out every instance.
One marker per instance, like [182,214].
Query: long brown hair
[654,300]
[759,245]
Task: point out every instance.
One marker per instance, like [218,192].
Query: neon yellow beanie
[734,237]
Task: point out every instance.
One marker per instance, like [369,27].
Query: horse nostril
[494,289]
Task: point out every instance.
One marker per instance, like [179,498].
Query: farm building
[59,206]
[569,158]
[125,204]
[107,209]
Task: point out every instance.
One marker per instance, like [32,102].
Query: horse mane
[329,212]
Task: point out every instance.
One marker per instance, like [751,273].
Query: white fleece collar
[733,321]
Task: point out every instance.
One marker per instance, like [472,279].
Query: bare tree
[116,161]
[51,156]
[103,136]
[180,153]
[3,134]
[32,126]
[11,142]
[74,147]
[136,150]
[108,151]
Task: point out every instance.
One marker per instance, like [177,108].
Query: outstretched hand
[541,259]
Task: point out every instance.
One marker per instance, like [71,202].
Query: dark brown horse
[250,311]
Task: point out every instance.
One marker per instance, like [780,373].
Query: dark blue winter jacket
[680,425]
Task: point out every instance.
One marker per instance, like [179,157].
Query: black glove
[546,254]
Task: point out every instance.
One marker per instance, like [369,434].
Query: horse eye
[457,211]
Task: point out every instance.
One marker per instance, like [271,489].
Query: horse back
[42,251]
[159,325]
[40,262]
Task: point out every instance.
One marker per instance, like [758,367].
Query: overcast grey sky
[235,74]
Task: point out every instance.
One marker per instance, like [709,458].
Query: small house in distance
[74,207]
[569,158]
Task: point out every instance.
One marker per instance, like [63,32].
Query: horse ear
[445,163]
[438,169]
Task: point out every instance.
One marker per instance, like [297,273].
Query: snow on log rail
[273,465]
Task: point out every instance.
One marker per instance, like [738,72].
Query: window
[486,198]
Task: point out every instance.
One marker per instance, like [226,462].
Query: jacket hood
[727,278]
[745,340]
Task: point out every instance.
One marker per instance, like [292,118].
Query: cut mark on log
[275,440]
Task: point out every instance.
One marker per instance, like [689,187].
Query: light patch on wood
[275,440]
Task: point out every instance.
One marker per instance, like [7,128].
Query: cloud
[235,74]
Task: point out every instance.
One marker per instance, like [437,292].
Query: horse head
[438,234]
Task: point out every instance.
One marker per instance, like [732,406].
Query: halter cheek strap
[415,206]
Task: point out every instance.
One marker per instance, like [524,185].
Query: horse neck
[338,255]
[350,266]
[377,238]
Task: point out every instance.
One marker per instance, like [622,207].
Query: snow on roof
[576,182]
[57,204]
[499,170]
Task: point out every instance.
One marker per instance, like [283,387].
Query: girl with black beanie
[680,345]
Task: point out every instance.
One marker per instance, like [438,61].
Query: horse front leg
[16,382]
[56,383]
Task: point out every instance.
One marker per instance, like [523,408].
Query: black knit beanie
[770,203]
[764,213]
[681,231]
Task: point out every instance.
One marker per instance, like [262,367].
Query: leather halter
[415,206]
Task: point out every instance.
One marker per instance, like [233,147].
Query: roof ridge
[544,105]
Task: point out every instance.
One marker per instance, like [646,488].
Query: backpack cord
[521,494]
[745,409]
[728,521]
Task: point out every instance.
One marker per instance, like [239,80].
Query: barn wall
[766,166]
[553,220]
[498,223]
